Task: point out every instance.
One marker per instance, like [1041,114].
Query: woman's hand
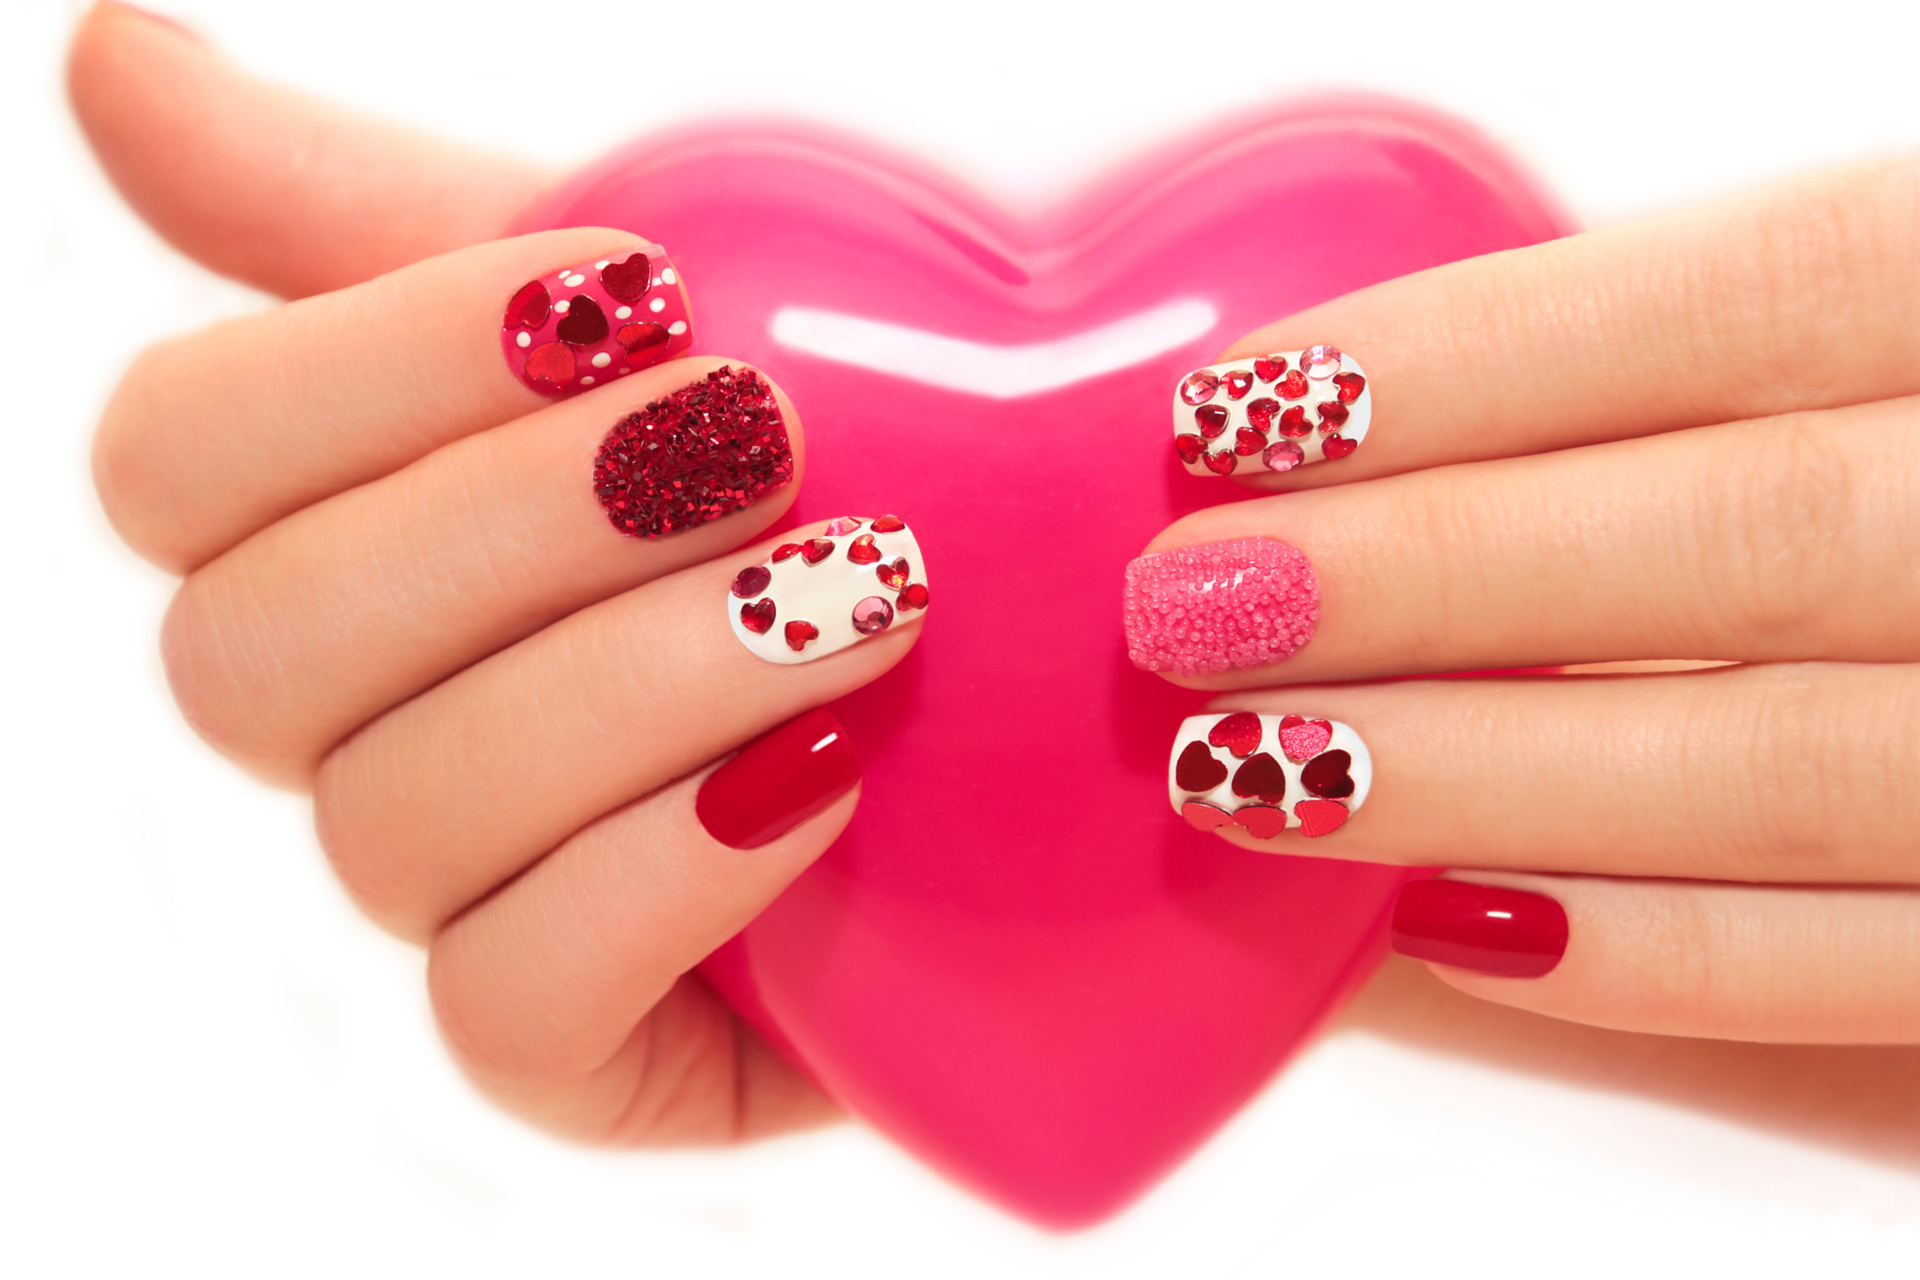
[1685,439]
[460,546]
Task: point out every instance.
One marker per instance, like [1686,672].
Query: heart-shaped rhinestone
[1238,733]
[1261,778]
[1293,386]
[1237,382]
[1351,385]
[628,280]
[1204,817]
[584,324]
[1211,419]
[757,617]
[1263,822]
[1260,413]
[1221,464]
[814,550]
[1247,442]
[785,551]
[1294,424]
[913,596]
[861,550]
[1333,415]
[1338,446]
[1303,739]
[800,634]
[1189,448]
[888,524]
[1197,771]
[1319,817]
[1326,775]
[894,576]
[1268,368]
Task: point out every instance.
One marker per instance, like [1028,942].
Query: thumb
[266,185]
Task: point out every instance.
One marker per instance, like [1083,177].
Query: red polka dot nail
[1275,413]
[593,324]
[1268,774]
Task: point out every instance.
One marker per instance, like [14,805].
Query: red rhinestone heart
[751,581]
[1204,817]
[1336,447]
[644,343]
[1247,442]
[1351,385]
[1319,817]
[1264,823]
[893,576]
[1326,775]
[1303,739]
[785,551]
[1261,778]
[628,281]
[1199,387]
[814,550]
[1294,424]
[1237,382]
[1294,385]
[583,325]
[1212,419]
[1198,772]
[1267,368]
[913,596]
[551,362]
[862,550]
[528,309]
[1260,412]
[1333,415]
[1221,464]
[757,617]
[1238,733]
[1189,448]
[801,634]
[888,524]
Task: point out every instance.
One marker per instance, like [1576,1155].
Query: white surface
[211,1067]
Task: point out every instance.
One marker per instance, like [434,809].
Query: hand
[500,640]
[1685,439]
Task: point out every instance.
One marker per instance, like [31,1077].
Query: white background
[209,1066]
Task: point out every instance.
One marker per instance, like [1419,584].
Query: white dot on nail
[667,276]
[677,328]
[658,304]
[525,339]
[574,280]
[621,313]
[600,265]
[587,381]
[560,307]
[602,360]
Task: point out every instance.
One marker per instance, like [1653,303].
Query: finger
[257,182]
[551,990]
[1782,540]
[1736,962]
[442,799]
[280,648]
[1777,773]
[213,436]
[1802,296]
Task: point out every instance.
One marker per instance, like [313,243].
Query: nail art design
[575,329]
[1268,774]
[778,781]
[1509,933]
[709,449]
[1275,413]
[1203,610]
[819,595]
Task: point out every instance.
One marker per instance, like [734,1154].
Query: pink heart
[1052,1012]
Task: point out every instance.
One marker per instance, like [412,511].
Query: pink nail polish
[1211,608]
[593,324]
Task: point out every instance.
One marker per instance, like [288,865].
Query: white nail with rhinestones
[857,578]
[1268,774]
[1274,413]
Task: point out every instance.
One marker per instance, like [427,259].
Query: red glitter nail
[705,451]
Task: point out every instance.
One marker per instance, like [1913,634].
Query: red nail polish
[703,452]
[1508,933]
[778,781]
[595,323]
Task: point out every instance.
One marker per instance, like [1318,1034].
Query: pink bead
[1219,606]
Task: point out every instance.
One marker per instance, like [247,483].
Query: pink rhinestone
[1320,362]
[842,527]
[1199,387]
[872,616]
[1284,456]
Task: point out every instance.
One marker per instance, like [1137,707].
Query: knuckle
[128,475]
[363,863]
[221,668]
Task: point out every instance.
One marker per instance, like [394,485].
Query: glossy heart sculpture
[1017,961]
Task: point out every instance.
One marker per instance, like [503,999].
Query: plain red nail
[1509,933]
[778,781]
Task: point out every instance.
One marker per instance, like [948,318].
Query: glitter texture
[705,451]
[1211,608]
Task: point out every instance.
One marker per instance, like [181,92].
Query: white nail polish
[1274,413]
[815,596]
[1268,774]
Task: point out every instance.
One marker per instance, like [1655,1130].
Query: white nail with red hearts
[857,578]
[1271,414]
[1268,774]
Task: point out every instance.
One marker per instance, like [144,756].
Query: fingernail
[709,449]
[1268,774]
[592,324]
[1275,413]
[1509,933]
[820,594]
[1220,605]
[778,781]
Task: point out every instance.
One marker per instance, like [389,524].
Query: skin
[398,593]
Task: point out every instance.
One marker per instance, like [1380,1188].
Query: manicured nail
[1206,609]
[592,324]
[1268,774]
[1509,933]
[1271,414]
[707,450]
[778,781]
[819,595]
